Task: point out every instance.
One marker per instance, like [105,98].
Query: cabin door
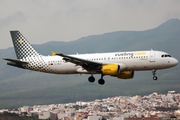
[152,56]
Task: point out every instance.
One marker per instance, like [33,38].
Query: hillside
[20,87]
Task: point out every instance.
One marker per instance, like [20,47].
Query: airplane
[116,64]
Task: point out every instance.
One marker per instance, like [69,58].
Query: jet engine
[110,69]
[126,75]
[113,69]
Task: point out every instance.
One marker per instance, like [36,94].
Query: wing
[86,64]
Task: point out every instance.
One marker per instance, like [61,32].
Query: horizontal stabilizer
[16,61]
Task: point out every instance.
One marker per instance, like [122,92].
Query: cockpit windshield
[165,55]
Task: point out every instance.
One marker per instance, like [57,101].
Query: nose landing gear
[154,75]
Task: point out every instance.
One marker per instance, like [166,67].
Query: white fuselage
[133,61]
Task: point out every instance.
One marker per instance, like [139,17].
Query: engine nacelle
[126,75]
[110,69]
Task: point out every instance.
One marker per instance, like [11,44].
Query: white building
[44,115]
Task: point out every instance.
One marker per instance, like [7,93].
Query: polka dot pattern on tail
[25,52]
[22,47]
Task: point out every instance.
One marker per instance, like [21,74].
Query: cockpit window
[165,55]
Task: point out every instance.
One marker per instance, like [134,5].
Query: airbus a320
[116,64]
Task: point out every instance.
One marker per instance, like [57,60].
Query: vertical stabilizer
[22,47]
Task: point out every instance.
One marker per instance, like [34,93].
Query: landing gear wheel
[154,75]
[91,79]
[101,81]
[155,78]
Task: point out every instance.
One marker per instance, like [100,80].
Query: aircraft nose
[175,62]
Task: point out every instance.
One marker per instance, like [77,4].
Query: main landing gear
[100,81]
[154,75]
[91,79]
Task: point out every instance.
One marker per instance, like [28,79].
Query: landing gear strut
[101,80]
[154,75]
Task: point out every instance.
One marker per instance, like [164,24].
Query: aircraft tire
[101,81]
[91,79]
[155,78]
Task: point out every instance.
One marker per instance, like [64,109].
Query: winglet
[53,53]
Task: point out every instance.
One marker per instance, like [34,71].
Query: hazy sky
[41,21]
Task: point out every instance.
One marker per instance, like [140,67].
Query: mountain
[20,87]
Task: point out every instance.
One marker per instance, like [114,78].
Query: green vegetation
[20,87]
